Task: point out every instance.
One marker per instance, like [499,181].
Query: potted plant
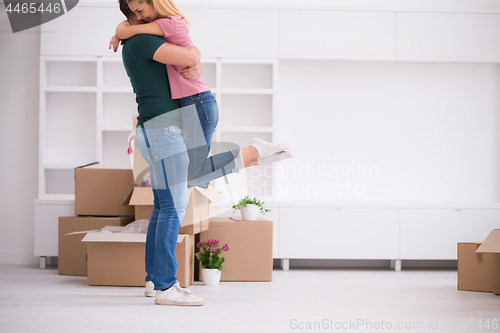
[250,208]
[211,261]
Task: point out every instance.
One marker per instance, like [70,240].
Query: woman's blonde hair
[164,8]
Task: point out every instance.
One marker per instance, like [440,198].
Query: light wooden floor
[299,300]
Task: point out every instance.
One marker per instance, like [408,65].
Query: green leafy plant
[250,201]
[209,254]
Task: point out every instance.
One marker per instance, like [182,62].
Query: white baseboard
[22,258]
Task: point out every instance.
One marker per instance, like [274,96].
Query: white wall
[374,131]
[19,84]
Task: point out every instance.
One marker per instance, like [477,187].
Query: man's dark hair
[125,9]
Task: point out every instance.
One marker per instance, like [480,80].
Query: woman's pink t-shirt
[177,32]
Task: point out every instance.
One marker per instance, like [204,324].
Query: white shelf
[59,166]
[117,90]
[56,199]
[71,89]
[246,129]
[117,128]
[246,91]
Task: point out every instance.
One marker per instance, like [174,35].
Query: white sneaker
[176,295]
[150,289]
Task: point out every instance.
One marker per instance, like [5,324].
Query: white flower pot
[250,212]
[211,277]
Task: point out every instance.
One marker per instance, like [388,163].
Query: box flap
[211,194]
[141,196]
[491,244]
[126,201]
[115,237]
[81,232]
[86,165]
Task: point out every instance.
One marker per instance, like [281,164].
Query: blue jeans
[165,152]
[198,128]
[208,113]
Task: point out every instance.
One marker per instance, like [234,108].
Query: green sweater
[150,82]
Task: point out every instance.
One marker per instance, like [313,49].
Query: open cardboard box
[103,192]
[72,253]
[196,219]
[479,264]
[117,259]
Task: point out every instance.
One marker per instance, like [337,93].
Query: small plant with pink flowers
[209,254]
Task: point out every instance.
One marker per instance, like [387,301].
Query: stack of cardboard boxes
[106,200]
[99,202]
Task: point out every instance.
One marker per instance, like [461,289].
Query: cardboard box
[72,255]
[117,259]
[250,255]
[196,218]
[103,192]
[195,228]
[479,264]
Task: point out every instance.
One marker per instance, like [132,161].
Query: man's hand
[115,42]
[195,52]
[192,73]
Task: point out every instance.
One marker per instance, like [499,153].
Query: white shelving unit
[245,91]
[86,106]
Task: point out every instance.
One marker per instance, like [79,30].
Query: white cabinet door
[434,233]
[448,37]
[337,35]
[47,227]
[80,32]
[234,33]
[330,233]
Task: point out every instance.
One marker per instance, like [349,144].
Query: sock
[267,148]
[279,156]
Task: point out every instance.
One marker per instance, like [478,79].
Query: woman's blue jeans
[166,153]
[198,126]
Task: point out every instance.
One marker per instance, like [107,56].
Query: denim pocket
[210,109]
